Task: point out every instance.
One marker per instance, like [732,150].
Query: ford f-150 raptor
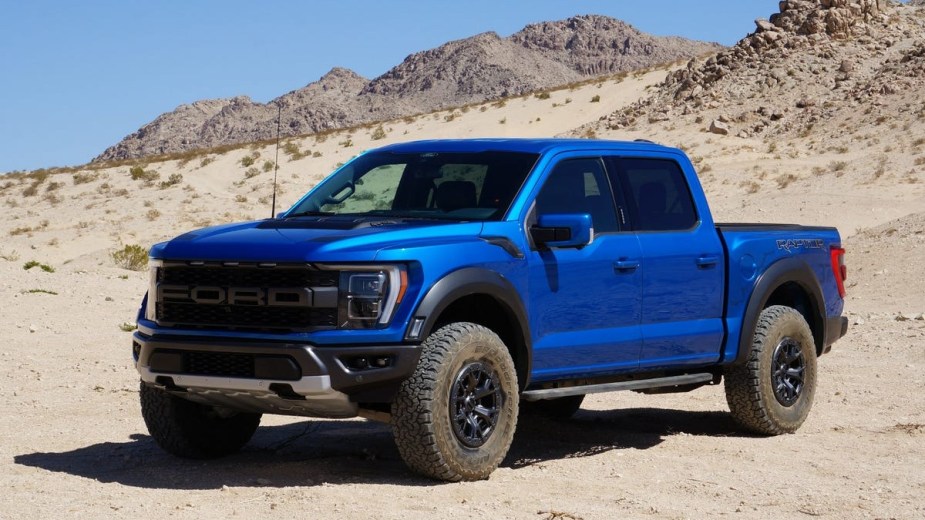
[444,286]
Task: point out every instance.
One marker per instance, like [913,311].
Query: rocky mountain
[813,61]
[485,66]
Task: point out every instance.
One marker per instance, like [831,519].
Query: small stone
[901,317]
[32,328]
[109,299]
[859,321]
[920,317]
[719,128]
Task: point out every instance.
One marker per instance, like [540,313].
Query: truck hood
[310,239]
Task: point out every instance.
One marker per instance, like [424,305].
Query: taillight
[839,270]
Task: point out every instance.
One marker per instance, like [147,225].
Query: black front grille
[247,276]
[178,308]
[245,316]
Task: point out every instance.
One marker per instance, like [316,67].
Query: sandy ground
[74,444]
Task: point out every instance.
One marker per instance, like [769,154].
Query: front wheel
[192,430]
[454,418]
[772,392]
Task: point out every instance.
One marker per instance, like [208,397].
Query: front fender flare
[466,282]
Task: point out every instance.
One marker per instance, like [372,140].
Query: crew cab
[448,286]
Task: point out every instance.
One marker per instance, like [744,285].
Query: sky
[77,77]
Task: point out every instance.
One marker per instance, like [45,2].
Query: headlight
[369,295]
[154,267]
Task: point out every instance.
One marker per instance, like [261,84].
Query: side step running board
[552,393]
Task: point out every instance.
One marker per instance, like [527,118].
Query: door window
[579,186]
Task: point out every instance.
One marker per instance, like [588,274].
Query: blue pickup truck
[447,286]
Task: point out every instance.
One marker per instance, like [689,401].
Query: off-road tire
[762,393]
[192,430]
[559,408]
[428,438]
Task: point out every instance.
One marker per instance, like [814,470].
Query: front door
[585,303]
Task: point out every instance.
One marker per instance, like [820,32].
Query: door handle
[707,261]
[625,265]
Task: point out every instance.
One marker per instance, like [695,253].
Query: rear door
[682,269]
[585,303]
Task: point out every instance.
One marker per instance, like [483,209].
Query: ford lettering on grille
[255,296]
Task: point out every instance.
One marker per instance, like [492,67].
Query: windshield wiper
[312,214]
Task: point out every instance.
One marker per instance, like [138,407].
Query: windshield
[456,186]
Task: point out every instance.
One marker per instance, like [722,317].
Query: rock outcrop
[802,64]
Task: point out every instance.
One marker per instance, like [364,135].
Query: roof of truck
[517,145]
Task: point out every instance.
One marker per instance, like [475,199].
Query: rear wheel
[192,430]
[558,408]
[773,391]
[454,418]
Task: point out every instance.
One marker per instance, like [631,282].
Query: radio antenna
[279,113]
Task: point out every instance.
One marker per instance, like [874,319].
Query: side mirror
[569,230]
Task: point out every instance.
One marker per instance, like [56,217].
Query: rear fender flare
[783,271]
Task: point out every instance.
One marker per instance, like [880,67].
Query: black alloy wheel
[475,403]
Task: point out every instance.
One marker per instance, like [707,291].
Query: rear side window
[658,194]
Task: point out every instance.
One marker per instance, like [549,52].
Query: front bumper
[269,377]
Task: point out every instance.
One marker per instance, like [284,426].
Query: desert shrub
[206,161]
[251,172]
[20,231]
[39,176]
[542,95]
[838,166]
[173,180]
[784,180]
[127,327]
[346,143]
[132,257]
[241,199]
[138,173]
[83,178]
[596,99]
[40,291]
[268,166]
[502,121]
[378,133]
[247,161]
[31,190]
[153,214]
[44,267]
